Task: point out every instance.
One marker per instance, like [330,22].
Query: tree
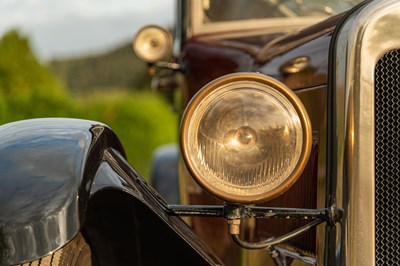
[27,88]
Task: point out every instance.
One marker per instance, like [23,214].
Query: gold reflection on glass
[248,140]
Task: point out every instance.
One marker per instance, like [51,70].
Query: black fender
[59,177]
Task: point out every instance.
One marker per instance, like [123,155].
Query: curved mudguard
[62,176]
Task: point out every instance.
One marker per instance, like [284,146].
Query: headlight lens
[152,43]
[245,138]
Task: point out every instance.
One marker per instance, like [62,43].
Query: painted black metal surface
[62,176]
[42,163]
[134,227]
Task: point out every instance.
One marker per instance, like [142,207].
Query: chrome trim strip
[365,37]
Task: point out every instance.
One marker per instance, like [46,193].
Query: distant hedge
[142,119]
[117,68]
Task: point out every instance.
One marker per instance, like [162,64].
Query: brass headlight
[152,43]
[245,138]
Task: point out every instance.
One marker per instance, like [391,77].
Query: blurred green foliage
[141,118]
[26,88]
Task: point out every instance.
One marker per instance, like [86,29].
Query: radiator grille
[387,159]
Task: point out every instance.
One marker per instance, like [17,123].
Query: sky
[69,28]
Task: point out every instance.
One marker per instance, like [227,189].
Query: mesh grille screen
[387,156]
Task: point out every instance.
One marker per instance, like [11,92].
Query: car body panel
[209,57]
[55,173]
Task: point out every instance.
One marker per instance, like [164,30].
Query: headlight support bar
[234,213]
[276,240]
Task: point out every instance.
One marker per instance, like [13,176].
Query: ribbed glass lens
[152,44]
[245,139]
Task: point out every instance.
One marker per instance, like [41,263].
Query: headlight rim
[167,48]
[294,101]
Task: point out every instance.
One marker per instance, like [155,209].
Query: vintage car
[288,148]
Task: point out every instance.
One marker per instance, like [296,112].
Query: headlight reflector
[245,137]
[152,43]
